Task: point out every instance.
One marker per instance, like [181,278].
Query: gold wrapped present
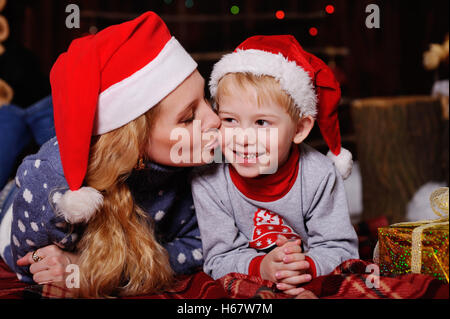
[417,247]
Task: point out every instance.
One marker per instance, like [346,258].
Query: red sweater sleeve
[254,267]
[312,267]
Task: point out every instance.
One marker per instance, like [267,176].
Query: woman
[93,194]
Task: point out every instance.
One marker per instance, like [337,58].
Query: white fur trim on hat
[80,205]
[293,79]
[144,88]
[343,162]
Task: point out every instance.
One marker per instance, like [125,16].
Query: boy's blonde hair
[267,88]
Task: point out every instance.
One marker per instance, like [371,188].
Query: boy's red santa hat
[306,78]
[103,82]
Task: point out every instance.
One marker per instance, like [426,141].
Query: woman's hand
[52,265]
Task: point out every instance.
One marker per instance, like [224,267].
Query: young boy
[290,225]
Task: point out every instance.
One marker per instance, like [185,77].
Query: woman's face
[185,130]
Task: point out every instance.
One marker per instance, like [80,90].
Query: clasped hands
[286,266]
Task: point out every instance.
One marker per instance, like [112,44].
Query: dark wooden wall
[370,62]
[386,61]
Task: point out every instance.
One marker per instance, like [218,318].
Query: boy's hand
[271,264]
[293,273]
[282,258]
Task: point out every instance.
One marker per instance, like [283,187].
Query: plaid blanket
[351,280]
[10,286]
[196,286]
[348,281]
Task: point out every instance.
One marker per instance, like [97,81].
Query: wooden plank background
[374,62]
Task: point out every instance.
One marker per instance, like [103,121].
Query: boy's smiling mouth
[248,155]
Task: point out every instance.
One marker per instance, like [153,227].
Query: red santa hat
[103,82]
[306,78]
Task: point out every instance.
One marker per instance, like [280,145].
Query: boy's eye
[229,120]
[262,123]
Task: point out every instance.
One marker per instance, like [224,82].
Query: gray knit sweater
[233,227]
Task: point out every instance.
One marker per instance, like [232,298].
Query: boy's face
[256,139]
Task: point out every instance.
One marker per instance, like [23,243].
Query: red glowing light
[313,31]
[280,14]
[329,9]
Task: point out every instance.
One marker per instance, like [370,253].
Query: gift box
[417,247]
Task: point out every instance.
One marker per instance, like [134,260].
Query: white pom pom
[343,162]
[80,205]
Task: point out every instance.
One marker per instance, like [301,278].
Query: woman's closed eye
[188,117]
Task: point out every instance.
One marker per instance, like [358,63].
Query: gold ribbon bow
[439,205]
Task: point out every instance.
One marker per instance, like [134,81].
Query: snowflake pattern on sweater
[164,193]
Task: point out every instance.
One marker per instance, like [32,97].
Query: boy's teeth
[249,156]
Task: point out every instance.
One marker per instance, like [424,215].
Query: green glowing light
[189,3]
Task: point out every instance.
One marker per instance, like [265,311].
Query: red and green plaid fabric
[10,286]
[348,281]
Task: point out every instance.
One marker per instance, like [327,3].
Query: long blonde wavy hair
[119,254]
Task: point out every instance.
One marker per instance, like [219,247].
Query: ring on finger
[35,257]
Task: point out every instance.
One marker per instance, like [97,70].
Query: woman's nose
[209,119]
